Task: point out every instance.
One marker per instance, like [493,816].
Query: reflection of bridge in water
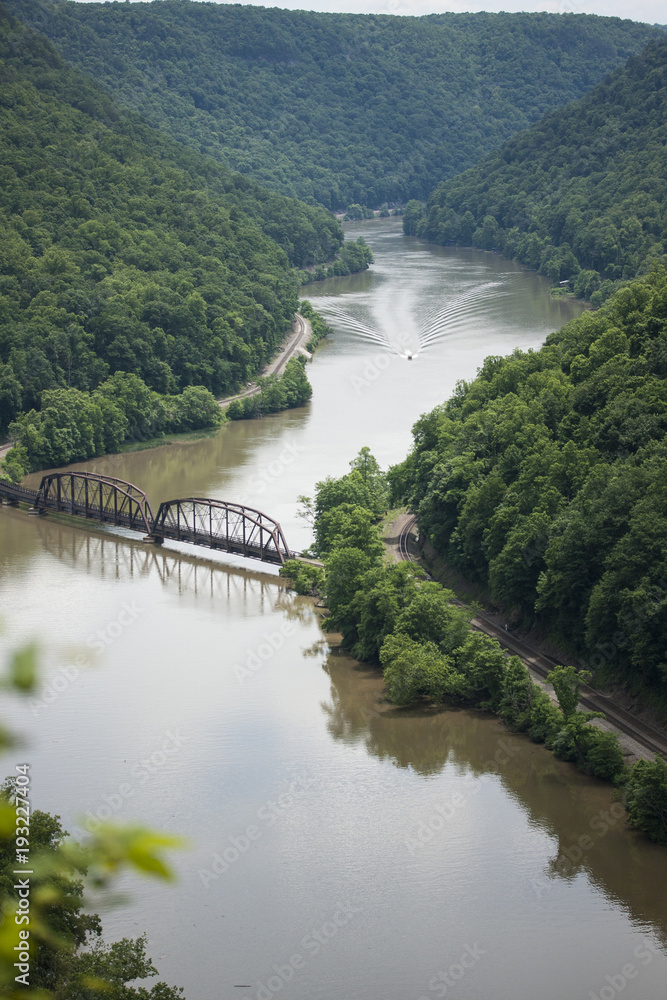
[215,524]
[109,557]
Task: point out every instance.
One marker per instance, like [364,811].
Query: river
[338,848]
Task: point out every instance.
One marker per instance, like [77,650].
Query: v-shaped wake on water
[442,322]
[436,325]
[347,321]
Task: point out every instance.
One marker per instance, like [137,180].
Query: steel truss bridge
[215,524]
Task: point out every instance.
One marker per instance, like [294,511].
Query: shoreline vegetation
[353,257]
[390,615]
[140,279]
[579,196]
[284,390]
[543,481]
[123,414]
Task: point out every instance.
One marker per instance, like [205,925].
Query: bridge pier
[153,540]
[6,502]
[37,511]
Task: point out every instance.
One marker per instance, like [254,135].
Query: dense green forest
[71,426]
[276,393]
[342,108]
[545,479]
[123,251]
[389,614]
[582,195]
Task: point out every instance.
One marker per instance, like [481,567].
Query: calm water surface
[339,848]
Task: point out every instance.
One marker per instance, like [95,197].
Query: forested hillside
[582,195]
[341,108]
[124,251]
[545,479]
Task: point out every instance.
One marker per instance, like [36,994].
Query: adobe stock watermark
[371,371]
[599,826]
[444,812]
[237,846]
[312,943]
[111,803]
[377,364]
[445,981]
[260,482]
[616,983]
[260,656]
[95,643]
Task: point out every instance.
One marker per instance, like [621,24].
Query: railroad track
[404,541]
[541,664]
[278,365]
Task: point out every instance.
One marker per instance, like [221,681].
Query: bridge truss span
[218,524]
[100,498]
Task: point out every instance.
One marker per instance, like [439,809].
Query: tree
[518,696]
[16,463]
[430,616]
[413,670]
[364,486]
[345,569]
[58,927]
[646,798]
[384,592]
[412,215]
[482,664]
[566,682]
[305,579]
[348,525]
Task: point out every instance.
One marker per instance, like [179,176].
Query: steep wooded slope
[580,195]
[343,108]
[545,478]
[121,250]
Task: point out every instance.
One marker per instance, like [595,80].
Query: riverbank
[639,737]
[295,343]
[403,810]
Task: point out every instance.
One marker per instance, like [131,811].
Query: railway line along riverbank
[638,737]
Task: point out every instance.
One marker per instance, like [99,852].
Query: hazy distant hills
[581,194]
[342,108]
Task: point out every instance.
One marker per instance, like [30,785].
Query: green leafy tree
[646,798]
[345,568]
[61,925]
[348,525]
[378,604]
[430,616]
[566,682]
[482,664]
[415,670]
[305,578]
[518,696]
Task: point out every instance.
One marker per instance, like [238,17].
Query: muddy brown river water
[339,849]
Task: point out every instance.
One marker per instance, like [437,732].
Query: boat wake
[438,324]
[458,312]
